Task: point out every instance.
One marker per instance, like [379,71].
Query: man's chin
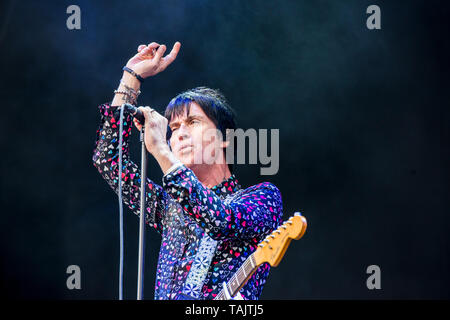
[188,161]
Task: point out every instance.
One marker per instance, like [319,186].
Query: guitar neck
[240,278]
[270,250]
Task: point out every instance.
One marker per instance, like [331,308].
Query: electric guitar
[270,250]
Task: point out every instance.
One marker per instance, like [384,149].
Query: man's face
[194,139]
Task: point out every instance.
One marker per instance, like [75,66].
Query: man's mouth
[185,148]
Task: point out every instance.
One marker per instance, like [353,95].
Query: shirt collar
[227,186]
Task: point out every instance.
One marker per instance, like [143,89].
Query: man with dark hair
[213,104]
[208,223]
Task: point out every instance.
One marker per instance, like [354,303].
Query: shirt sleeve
[106,158]
[252,215]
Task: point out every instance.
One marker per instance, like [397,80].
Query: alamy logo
[374,20]
[74,280]
[74,20]
[258,148]
[374,280]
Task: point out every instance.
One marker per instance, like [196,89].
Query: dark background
[364,137]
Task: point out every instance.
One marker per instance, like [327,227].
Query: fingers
[147,52]
[137,124]
[171,56]
[159,53]
[152,45]
[145,111]
[148,113]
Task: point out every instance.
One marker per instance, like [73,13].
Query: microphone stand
[140,284]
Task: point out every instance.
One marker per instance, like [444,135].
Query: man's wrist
[127,91]
[131,81]
[166,159]
[173,168]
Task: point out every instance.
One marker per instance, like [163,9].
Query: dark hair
[213,104]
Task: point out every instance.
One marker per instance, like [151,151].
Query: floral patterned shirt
[182,210]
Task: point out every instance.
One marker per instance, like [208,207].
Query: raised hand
[149,61]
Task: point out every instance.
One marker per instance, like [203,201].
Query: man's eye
[173,129]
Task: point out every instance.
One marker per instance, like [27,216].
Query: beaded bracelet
[132,99]
[133,73]
[136,93]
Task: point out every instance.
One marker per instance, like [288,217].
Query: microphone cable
[120,206]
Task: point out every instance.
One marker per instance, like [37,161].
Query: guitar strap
[199,269]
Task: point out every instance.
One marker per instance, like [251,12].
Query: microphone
[136,113]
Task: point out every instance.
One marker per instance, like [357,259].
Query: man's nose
[183,132]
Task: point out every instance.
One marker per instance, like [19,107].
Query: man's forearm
[127,80]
